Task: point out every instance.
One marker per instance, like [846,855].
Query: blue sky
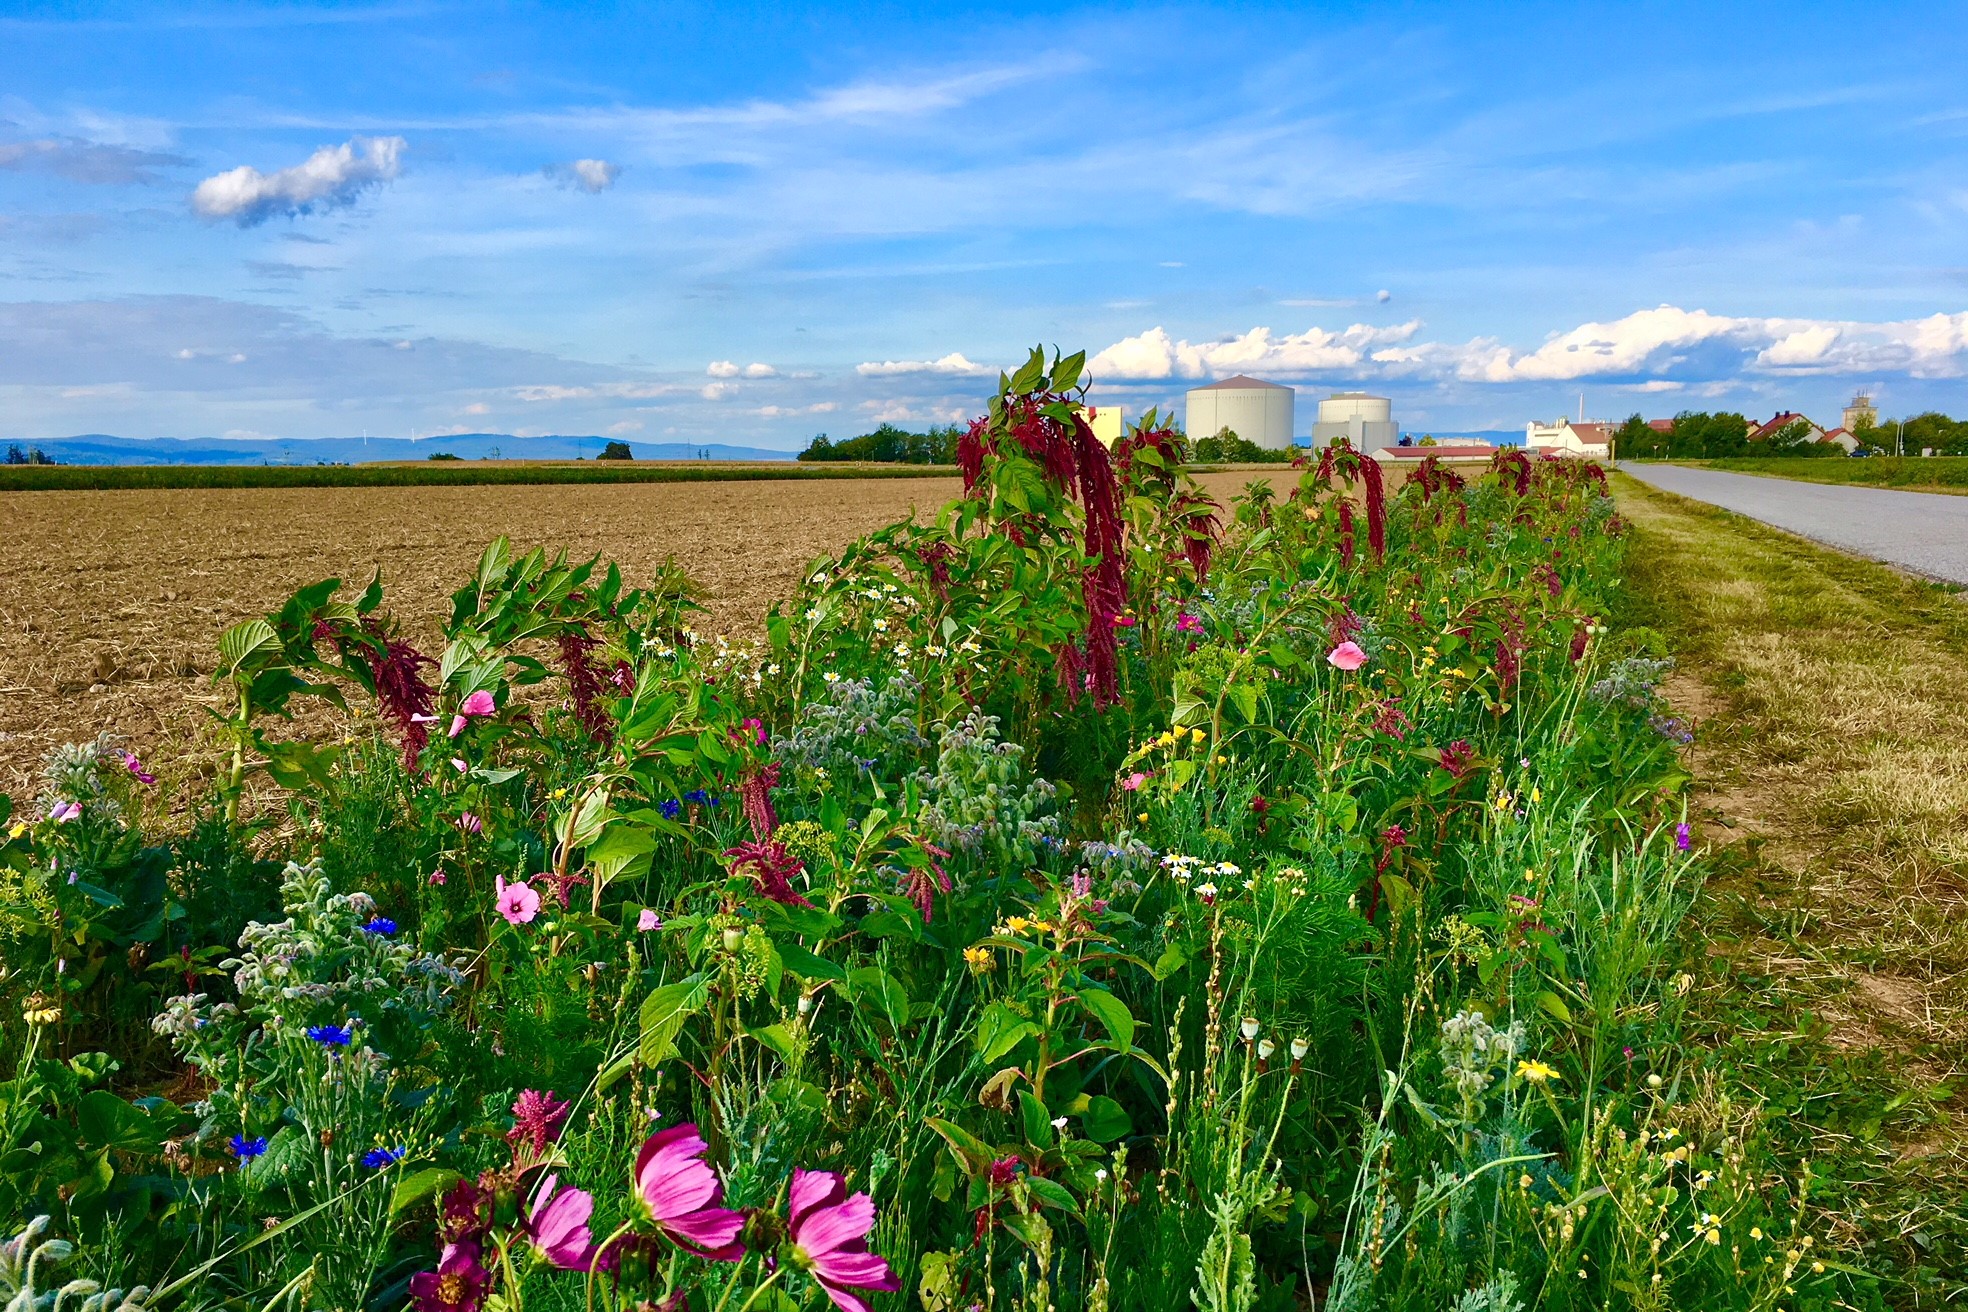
[753,223]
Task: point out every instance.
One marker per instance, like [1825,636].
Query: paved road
[1926,532]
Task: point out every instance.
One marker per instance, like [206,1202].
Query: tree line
[890,445]
[1699,435]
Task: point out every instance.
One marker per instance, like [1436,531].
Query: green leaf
[295,765]
[999,1030]
[1554,1006]
[1105,1120]
[664,1013]
[1113,1014]
[412,1189]
[1066,374]
[106,1121]
[1036,1120]
[243,641]
[810,965]
[1050,1193]
[1244,697]
[1172,959]
[780,1039]
[973,1152]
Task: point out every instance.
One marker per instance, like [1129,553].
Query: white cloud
[717,391]
[1654,350]
[478,408]
[589,175]
[620,427]
[723,369]
[1154,354]
[1383,296]
[757,370]
[953,363]
[332,177]
[782,411]
[594,391]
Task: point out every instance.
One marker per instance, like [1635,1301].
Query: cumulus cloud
[88,161]
[332,177]
[953,363]
[594,391]
[717,391]
[1661,349]
[731,369]
[589,175]
[1154,354]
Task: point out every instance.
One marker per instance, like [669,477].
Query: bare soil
[112,603]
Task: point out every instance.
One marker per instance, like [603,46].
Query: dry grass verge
[1830,700]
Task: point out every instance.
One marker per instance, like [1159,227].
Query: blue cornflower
[330,1036]
[247,1149]
[697,796]
[377,1158]
[671,808]
[381,925]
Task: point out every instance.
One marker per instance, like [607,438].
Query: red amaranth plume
[1376,506]
[1198,514]
[587,684]
[755,800]
[402,696]
[1517,464]
[771,868]
[920,885]
[1346,533]
[1104,585]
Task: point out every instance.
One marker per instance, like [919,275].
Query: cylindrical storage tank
[1257,411]
[1364,420]
[1342,407]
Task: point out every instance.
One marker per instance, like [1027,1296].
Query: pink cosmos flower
[557,1225]
[518,903]
[829,1234]
[65,812]
[1187,623]
[1134,781]
[647,921]
[1347,656]
[458,1284]
[135,767]
[683,1197]
[477,706]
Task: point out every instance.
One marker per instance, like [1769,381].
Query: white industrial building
[1364,420]
[1254,410]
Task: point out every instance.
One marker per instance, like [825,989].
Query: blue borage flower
[246,1149]
[699,797]
[330,1036]
[377,1158]
[380,925]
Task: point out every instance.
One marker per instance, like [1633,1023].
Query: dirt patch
[112,603]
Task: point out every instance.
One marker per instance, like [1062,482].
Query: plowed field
[111,603]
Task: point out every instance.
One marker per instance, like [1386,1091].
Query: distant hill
[103,449]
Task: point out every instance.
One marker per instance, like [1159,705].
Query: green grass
[1929,474]
[1830,948]
[96,478]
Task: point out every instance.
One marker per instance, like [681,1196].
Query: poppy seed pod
[1249,1028]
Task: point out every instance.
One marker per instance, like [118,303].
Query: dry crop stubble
[112,604]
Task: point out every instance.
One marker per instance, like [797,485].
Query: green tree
[616,451]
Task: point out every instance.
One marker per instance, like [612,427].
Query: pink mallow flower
[518,903]
[647,921]
[557,1225]
[1347,656]
[1134,781]
[135,767]
[477,706]
[829,1234]
[683,1198]
[470,823]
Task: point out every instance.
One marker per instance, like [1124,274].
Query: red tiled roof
[1661,425]
[1776,422]
[1461,450]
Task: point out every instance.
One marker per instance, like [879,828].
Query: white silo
[1254,410]
[1365,420]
